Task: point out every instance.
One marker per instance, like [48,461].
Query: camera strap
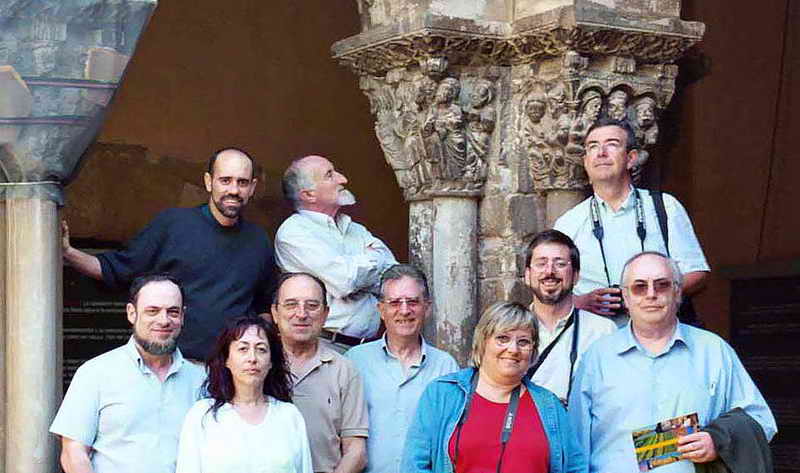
[597,226]
[508,422]
[573,351]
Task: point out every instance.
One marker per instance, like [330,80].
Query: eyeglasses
[412,304]
[660,287]
[609,147]
[540,265]
[505,341]
[310,307]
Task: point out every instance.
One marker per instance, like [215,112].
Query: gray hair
[677,274]
[295,180]
[399,271]
[501,317]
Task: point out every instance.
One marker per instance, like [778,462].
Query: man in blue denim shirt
[656,369]
[397,367]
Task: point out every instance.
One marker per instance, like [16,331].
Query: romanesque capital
[556,100]
[430,70]
[435,126]
[61,62]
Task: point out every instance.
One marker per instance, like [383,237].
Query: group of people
[322,367]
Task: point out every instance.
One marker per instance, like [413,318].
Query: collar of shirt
[629,342]
[423,349]
[627,204]
[206,211]
[341,223]
[136,357]
[559,325]
[323,355]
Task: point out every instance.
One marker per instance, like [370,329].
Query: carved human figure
[445,121]
[590,110]
[535,108]
[556,100]
[480,125]
[645,110]
[617,102]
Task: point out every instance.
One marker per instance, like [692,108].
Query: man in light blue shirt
[619,221]
[397,368]
[656,369]
[124,409]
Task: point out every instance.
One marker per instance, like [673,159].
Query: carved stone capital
[435,129]
[555,102]
[588,30]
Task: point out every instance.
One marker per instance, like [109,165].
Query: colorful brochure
[657,445]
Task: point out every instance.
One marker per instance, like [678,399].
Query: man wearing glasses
[327,388]
[552,266]
[619,221]
[397,367]
[657,369]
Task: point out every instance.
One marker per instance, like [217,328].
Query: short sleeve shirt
[120,409]
[330,395]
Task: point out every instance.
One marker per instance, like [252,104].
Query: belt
[338,337]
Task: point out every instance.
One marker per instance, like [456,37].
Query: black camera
[622,309]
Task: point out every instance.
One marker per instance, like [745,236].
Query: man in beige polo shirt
[327,388]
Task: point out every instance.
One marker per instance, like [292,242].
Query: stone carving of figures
[617,103]
[646,129]
[480,125]
[445,121]
[557,100]
[590,110]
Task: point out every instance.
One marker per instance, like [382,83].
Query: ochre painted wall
[254,74]
[732,162]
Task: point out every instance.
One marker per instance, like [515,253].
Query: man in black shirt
[224,263]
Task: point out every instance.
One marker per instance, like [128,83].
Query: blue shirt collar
[629,201]
[424,349]
[628,341]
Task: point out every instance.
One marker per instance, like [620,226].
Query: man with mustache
[552,266]
[319,239]
[620,220]
[225,263]
[124,409]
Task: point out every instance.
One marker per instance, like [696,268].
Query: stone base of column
[33,270]
[454,273]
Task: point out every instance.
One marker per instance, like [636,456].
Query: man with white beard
[321,240]
[552,266]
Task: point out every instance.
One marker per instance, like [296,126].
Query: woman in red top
[488,418]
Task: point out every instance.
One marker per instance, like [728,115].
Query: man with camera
[552,265]
[619,221]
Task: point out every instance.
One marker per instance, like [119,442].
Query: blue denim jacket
[440,407]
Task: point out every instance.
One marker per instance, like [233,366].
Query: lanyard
[508,422]
[573,351]
[597,226]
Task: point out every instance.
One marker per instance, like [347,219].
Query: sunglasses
[660,287]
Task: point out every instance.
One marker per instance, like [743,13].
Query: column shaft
[33,333]
[454,273]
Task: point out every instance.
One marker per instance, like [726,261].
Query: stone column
[490,102]
[60,64]
[33,322]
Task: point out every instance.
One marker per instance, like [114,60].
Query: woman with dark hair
[247,424]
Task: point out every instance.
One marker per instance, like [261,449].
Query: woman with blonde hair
[489,417]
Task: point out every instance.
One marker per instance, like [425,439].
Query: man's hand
[603,301]
[65,246]
[697,447]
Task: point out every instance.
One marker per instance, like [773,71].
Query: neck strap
[597,226]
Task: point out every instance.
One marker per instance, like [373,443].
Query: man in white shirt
[552,265]
[319,239]
[619,221]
